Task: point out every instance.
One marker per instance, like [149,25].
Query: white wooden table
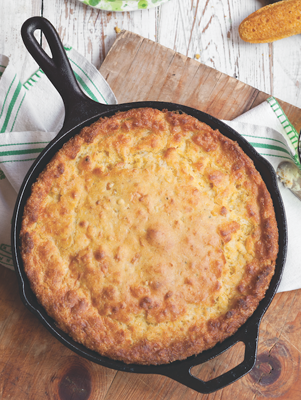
[208,28]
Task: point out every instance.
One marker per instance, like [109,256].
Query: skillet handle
[250,338]
[78,107]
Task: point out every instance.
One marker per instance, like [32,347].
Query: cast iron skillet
[81,111]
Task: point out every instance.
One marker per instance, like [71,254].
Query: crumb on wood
[197,56]
[117,30]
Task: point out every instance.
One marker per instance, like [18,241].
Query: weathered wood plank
[134,72]
[186,26]
[211,30]
[12,16]
[92,32]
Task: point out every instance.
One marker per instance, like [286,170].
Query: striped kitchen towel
[270,132]
[30,116]
[268,129]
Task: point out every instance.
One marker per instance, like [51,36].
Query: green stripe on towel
[89,80]
[7,95]
[17,112]
[10,107]
[269,146]
[21,144]
[19,152]
[85,87]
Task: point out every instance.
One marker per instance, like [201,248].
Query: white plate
[123,5]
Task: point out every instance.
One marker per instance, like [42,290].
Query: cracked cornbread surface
[149,237]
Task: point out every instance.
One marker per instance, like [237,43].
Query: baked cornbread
[149,237]
[273,22]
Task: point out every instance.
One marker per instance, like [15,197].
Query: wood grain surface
[34,365]
[208,28]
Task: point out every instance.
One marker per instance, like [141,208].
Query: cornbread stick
[272,22]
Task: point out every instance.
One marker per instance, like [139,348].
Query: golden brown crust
[272,22]
[149,237]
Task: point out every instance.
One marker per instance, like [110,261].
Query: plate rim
[132,7]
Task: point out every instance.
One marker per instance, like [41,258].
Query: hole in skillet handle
[78,107]
[248,335]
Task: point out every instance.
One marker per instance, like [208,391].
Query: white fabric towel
[31,114]
[267,128]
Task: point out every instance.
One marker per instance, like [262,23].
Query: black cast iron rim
[80,112]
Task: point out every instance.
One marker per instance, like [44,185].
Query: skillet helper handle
[78,107]
[249,338]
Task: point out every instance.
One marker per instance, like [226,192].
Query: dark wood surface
[35,366]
